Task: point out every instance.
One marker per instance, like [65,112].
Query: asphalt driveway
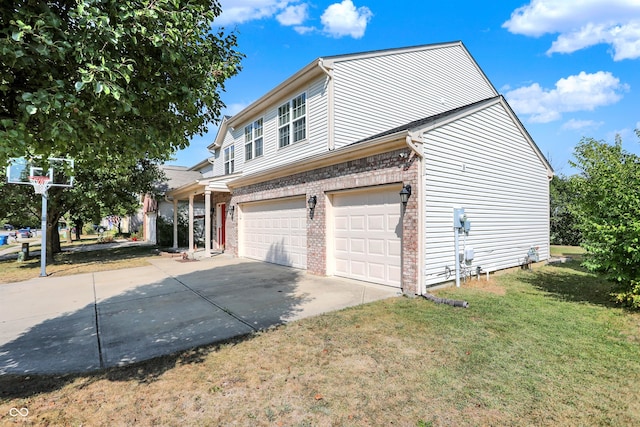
[113,318]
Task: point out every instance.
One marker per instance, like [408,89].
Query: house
[181,181]
[310,174]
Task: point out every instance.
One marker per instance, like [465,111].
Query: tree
[109,83]
[563,224]
[607,206]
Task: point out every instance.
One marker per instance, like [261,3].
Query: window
[228,160]
[292,121]
[253,140]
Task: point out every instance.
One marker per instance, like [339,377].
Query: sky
[568,68]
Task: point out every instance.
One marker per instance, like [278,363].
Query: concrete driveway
[99,320]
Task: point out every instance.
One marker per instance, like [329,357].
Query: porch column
[191,239]
[175,223]
[207,223]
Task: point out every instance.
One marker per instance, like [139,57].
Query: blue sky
[569,68]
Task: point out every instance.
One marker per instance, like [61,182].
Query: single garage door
[275,232]
[367,232]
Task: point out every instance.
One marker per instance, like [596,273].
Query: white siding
[230,138]
[378,93]
[484,164]
[316,141]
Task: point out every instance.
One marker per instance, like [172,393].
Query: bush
[164,230]
[607,206]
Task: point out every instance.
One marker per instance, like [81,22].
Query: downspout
[412,142]
[331,145]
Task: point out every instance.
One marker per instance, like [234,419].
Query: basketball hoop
[40,183]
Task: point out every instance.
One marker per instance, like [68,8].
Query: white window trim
[229,159]
[291,120]
[251,143]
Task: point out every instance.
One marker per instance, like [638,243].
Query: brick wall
[381,169]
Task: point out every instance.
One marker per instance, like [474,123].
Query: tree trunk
[79,226]
[53,240]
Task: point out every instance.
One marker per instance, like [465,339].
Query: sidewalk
[93,321]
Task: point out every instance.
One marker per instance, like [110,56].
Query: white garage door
[275,232]
[367,232]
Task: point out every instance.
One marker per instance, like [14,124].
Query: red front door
[222,222]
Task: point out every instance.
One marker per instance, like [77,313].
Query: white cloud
[574,124]
[239,11]
[293,15]
[582,24]
[235,108]
[582,92]
[343,19]
[301,29]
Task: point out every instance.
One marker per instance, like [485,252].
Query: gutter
[331,145]
[412,141]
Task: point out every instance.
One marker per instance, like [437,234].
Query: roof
[428,120]
[178,176]
[439,119]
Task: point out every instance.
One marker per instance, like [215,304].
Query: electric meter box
[469,254]
[459,217]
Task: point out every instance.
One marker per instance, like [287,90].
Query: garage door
[275,232]
[367,234]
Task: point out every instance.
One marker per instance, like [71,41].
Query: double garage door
[275,232]
[363,235]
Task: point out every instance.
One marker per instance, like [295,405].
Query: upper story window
[229,160]
[292,121]
[253,140]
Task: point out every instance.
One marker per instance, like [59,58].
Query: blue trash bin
[3,240]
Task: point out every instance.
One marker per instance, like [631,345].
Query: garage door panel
[377,271]
[376,223]
[275,232]
[367,236]
[376,247]
[357,246]
[356,223]
[394,248]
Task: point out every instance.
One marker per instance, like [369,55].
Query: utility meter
[459,217]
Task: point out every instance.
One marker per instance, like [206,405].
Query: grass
[575,252]
[69,262]
[535,348]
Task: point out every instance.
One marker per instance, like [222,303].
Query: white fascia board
[219,139]
[277,94]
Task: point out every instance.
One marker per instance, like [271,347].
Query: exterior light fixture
[405,193]
[232,209]
[313,200]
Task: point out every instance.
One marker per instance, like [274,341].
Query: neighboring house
[178,178]
[350,132]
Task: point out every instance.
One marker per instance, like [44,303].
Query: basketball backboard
[59,171]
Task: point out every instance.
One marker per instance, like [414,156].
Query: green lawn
[542,347]
[68,262]
[567,251]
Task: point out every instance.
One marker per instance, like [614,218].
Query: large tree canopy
[109,81]
[607,206]
[114,84]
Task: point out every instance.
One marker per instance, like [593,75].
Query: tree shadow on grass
[572,282]
[141,331]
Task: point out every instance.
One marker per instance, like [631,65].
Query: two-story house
[310,174]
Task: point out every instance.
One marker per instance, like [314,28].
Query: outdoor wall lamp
[232,209]
[405,193]
[313,200]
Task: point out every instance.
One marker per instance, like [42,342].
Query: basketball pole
[43,226]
